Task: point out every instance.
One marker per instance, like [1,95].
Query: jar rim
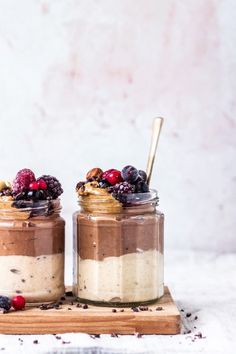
[131,199]
[7,206]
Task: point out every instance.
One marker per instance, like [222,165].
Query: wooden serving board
[94,320]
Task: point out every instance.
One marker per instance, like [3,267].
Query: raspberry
[5,303]
[53,185]
[129,174]
[22,180]
[112,176]
[18,302]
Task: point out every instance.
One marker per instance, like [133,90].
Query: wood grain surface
[94,320]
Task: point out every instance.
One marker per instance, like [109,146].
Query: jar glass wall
[32,250]
[118,257]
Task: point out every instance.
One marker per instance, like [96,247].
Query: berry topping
[22,180]
[112,176]
[53,185]
[34,186]
[5,303]
[104,184]
[141,187]
[142,174]
[120,190]
[129,174]
[94,174]
[18,302]
[106,173]
[42,184]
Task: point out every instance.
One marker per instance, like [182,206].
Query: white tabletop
[203,284]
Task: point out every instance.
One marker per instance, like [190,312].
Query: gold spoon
[156,130]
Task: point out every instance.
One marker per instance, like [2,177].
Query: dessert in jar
[118,239]
[31,238]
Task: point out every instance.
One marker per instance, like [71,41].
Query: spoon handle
[156,130]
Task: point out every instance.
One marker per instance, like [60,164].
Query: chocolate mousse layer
[103,236]
[32,237]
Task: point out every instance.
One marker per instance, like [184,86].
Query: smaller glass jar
[118,255]
[32,250]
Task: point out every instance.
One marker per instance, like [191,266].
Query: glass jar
[118,256]
[32,250]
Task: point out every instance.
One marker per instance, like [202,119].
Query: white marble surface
[201,283]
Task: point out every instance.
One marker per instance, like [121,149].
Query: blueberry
[129,174]
[142,175]
[104,184]
[141,187]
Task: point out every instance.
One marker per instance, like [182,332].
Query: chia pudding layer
[32,258]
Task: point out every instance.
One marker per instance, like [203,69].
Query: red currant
[18,302]
[106,173]
[113,176]
[33,186]
[42,184]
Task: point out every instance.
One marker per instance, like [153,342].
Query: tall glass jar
[32,250]
[118,256]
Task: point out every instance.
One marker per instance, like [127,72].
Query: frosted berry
[142,174]
[22,180]
[33,186]
[18,302]
[129,174]
[141,187]
[113,177]
[120,191]
[5,303]
[42,184]
[54,187]
[106,173]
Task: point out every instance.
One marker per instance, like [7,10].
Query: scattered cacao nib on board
[135,309]
[143,308]
[159,308]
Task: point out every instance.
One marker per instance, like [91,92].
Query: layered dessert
[31,238]
[118,239]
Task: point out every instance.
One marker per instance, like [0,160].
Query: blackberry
[54,187]
[141,187]
[22,180]
[5,303]
[129,174]
[120,191]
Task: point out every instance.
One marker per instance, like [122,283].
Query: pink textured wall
[80,82]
